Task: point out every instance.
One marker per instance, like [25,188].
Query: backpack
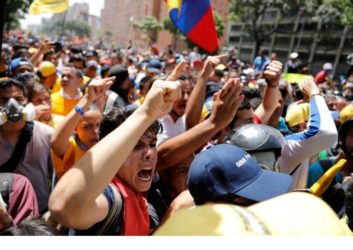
[335,194]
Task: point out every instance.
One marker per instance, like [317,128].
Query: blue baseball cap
[228,171]
[154,66]
[17,62]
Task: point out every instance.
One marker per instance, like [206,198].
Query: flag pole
[2,21]
[63,24]
[146,8]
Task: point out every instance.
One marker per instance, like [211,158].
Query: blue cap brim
[153,70]
[269,184]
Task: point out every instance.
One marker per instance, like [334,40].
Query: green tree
[169,25]
[75,27]
[150,25]
[335,10]
[80,28]
[253,11]
[14,11]
[328,12]
[219,24]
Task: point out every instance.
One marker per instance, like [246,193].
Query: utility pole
[2,21]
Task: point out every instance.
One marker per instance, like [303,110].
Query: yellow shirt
[60,105]
[55,119]
[140,100]
[57,86]
[204,113]
[64,163]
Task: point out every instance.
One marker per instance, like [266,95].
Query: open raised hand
[226,103]
[309,87]
[96,88]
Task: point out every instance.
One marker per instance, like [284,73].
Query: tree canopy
[14,11]
[333,10]
[252,11]
[151,26]
[74,27]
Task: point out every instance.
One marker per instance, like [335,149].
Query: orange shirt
[72,155]
[60,105]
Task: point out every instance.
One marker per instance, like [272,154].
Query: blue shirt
[260,62]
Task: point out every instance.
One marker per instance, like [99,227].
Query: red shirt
[256,119]
[320,77]
[136,219]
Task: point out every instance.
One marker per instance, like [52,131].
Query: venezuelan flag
[48,6]
[194,19]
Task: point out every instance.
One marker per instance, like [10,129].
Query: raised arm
[76,200]
[320,133]
[224,107]
[197,97]
[62,133]
[44,47]
[272,94]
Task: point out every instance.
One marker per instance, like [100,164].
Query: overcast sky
[95,7]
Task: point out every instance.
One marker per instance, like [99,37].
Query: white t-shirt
[170,128]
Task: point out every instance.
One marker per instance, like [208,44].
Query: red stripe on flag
[204,33]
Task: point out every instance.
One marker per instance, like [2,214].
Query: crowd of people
[101,141]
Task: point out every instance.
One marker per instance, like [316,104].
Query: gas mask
[14,112]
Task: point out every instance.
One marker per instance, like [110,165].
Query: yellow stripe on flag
[48,6]
[174,4]
[294,78]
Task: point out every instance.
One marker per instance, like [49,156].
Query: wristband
[79,110]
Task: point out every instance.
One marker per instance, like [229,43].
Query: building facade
[118,17]
[79,12]
[298,32]
[222,8]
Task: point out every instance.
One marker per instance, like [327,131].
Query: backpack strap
[325,164]
[26,134]
[115,216]
[6,181]
[334,195]
[112,96]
